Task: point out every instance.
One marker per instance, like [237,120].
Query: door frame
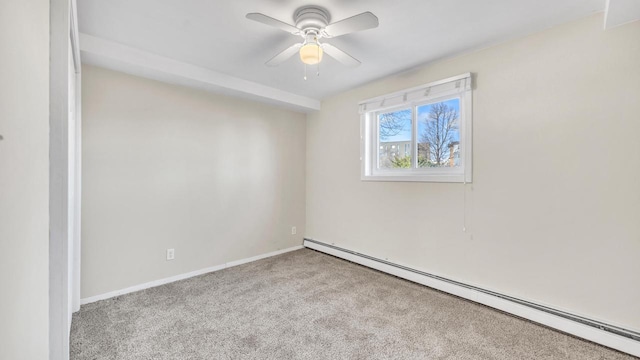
[63,213]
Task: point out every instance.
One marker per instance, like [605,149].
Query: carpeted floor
[308,305]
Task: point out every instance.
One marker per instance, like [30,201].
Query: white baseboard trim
[171,279]
[588,332]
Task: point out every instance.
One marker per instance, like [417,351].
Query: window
[419,134]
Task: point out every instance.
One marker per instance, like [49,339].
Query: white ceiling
[215,35]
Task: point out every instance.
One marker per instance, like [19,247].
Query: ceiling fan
[312,23]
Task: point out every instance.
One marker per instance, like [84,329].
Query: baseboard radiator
[615,337]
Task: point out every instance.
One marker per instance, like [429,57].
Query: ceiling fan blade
[340,55]
[284,55]
[359,22]
[267,20]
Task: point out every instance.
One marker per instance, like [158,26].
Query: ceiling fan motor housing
[311,19]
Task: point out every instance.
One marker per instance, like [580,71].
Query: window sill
[457,178]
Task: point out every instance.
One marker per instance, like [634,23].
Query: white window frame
[443,90]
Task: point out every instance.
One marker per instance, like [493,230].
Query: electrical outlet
[171,254]
[294,230]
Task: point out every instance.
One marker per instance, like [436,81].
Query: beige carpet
[308,305]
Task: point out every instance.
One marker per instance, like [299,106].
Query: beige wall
[216,178]
[553,214]
[24,173]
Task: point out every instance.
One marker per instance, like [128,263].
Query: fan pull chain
[305,72]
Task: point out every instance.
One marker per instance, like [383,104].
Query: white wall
[216,178]
[553,214]
[24,174]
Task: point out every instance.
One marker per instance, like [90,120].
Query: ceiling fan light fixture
[311,53]
[313,23]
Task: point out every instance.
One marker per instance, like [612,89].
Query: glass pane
[394,142]
[439,134]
